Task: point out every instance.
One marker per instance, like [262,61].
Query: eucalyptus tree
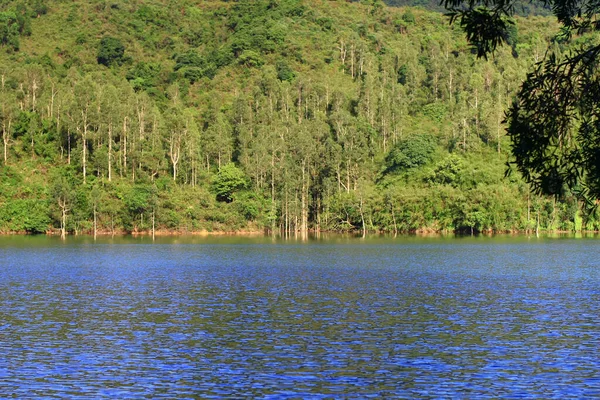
[82,109]
[8,112]
[111,118]
[62,191]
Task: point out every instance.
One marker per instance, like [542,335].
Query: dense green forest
[522,7]
[276,115]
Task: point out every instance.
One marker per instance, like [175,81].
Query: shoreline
[311,233]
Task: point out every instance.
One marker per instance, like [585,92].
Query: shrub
[228,180]
[412,152]
[110,51]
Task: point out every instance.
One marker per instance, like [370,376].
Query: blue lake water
[330,318]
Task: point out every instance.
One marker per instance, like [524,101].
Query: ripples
[310,321]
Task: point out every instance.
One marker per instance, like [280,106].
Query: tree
[554,123]
[7,115]
[110,51]
[63,193]
[411,152]
[229,179]
[9,30]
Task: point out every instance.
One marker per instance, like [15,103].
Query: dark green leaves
[412,152]
[485,29]
[194,66]
[110,51]
[9,30]
[228,180]
[554,125]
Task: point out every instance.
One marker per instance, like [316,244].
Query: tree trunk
[69,146]
[125,145]
[109,151]
[153,220]
[394,219]
[303,199]
[84,157]
[273,190]
[63,223]
[362,218]
[5,133]
[174,153]
[84,142]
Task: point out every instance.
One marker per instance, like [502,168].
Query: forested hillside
[286,115]
[524,7]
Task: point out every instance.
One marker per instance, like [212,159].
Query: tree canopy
[554,122]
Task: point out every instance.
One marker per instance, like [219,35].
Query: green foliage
[9,30]
[485,29]
[448,171]
[412,152]
[436,111]
[310,100]
[255,25]
[248,205]
[542,118]
[284,72]
[552,124]
[408,17]
[194,66]
[144,76]
[110,51]
[402,74]
[250,58]
[227,181]
[38,8]
[25,215]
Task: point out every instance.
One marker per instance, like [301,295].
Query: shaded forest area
[130,116]
[523,8]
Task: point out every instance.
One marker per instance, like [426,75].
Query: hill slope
[293,115]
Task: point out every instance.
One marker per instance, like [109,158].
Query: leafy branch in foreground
[554,122]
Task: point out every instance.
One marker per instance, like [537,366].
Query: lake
[216,317]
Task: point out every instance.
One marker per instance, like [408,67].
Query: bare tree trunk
[362,218]
[53,95]
[303,199]
[58,130]
[343,52]
[174,153]
[34,87]
[348,176]
[125,145]
[95,222]
[153,219]
[273,190]
[4,129]
[69,146]
[5,134]
[62,203]
[84,152]
[63,223]
[528,209]
[300,104]
[287,214]
[499,120]
[109,151]
[394,219]
[352,60]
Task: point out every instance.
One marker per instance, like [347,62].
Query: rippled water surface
[223,317]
